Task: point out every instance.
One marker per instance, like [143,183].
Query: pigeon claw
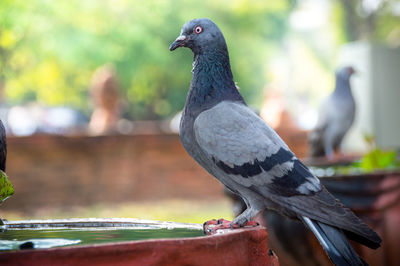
[222,221]
[213,221]
[211,227]
[250,224]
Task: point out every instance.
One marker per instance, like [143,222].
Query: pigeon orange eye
[198,29]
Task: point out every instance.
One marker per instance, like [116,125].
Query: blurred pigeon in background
[236,146]
[335,117]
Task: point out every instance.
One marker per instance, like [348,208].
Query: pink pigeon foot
[211,227]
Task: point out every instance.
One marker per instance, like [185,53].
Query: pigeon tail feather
[334,243]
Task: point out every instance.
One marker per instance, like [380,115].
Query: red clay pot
[375,198]
[233,247]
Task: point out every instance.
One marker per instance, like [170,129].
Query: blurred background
[90,95]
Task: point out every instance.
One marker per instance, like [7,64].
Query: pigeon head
[201,36]
[345,73]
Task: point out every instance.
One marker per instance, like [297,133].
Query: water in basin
[46,237]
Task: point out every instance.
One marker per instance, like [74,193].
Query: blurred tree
[49,49]
[369,20]
[320,28]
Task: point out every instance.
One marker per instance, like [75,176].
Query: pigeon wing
[247,150]
[250,153]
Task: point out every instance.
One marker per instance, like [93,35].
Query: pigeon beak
[179,42]
[352,71]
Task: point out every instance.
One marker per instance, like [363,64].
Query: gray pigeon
[335,117]
[237,147]
[3,147]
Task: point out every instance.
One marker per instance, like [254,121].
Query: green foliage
[6,188]
[49,49]
[378,160]
[375,160]
[358,23]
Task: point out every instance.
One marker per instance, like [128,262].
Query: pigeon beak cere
[179,42]
[352,71]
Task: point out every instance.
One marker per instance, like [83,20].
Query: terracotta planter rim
[244,246]
[374,174]
[109,223]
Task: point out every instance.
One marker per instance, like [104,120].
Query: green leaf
[6,188]
[378,159]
